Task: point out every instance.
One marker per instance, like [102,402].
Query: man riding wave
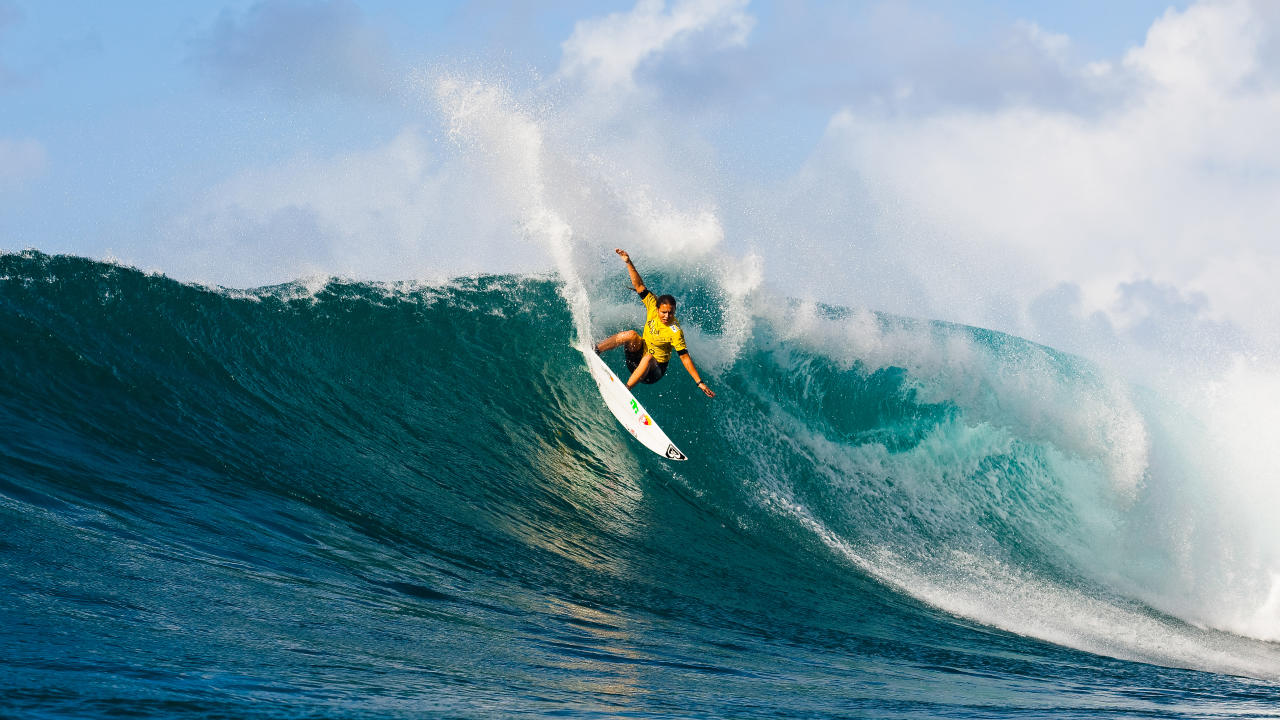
[647,354]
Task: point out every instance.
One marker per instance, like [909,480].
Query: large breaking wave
[165,444]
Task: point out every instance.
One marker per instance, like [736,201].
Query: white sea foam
[577,210]
[961,570]
[1126,509]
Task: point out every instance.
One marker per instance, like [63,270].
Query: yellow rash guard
[659,339]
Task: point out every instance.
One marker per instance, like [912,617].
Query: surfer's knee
[633,341]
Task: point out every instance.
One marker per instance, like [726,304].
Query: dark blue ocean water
[358,500]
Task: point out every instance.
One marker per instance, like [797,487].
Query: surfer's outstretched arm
[693,371]
[636,282]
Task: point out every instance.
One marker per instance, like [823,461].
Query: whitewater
[349,498]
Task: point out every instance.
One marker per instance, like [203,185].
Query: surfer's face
[666,313]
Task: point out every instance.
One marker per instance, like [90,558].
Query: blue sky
[1073,172]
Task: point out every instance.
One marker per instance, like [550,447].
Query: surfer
[648,354]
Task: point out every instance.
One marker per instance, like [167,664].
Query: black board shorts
[656,369]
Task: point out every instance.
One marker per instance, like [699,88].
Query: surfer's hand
[706,389]
[625,257]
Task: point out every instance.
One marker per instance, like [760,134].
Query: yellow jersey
[660,339]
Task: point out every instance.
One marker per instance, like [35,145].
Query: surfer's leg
[630,338]
[641,370]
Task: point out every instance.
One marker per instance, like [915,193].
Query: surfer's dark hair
[666,300]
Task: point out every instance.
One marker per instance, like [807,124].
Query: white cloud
[20,161]
[1054,45]
[393,210]
[607,51]
[1176,184]
[1210,46]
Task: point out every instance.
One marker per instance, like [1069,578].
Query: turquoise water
[340,499]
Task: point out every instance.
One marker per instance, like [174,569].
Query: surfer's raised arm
[636,282]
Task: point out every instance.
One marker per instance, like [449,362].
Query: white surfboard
[628,410]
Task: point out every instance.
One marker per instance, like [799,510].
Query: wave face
[380,500]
